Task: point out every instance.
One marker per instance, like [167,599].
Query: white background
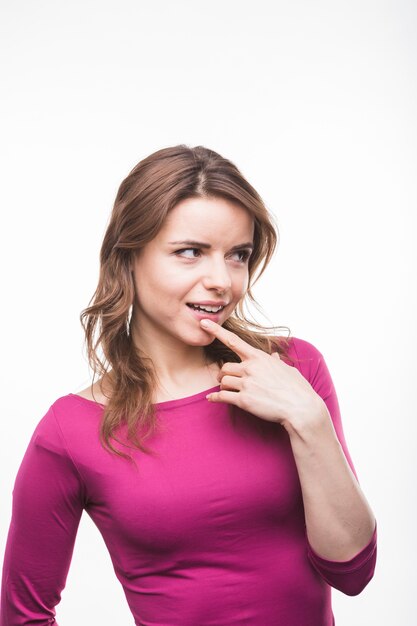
[316,103]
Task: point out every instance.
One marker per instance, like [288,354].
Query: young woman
[243,506]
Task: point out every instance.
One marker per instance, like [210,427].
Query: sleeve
[349,577]
[48,500]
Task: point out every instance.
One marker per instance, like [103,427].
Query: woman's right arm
[48,499]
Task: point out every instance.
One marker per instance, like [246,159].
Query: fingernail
[205,323]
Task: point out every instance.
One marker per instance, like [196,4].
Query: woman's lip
[200,315]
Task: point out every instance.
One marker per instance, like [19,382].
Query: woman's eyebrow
[200,244]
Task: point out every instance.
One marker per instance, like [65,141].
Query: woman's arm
[340,525]
[341,528]
[48,499]
[339,520]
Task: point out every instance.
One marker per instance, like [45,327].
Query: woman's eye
[181,252]
[243,254]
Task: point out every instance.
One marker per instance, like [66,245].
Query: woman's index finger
[231,340]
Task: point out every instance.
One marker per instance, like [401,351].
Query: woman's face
[170,273]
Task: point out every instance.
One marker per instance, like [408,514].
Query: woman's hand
[264,385]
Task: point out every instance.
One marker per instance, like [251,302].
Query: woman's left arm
[339,520]
[340,525]
[341,530]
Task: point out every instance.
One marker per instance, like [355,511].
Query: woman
[244,506]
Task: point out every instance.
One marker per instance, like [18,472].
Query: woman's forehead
[199,216]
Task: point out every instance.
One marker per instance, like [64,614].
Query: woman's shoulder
[298,350]
[303,348]
[71,422]
[74,413]
[98,393]
[93,394]
[305,356]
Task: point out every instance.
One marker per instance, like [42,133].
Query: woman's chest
[217,471]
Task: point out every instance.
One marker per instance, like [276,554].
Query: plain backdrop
[316,103]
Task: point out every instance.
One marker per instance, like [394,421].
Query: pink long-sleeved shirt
[210,531]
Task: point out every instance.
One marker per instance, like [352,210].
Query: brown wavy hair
[152,189]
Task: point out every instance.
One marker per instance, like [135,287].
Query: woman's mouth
[200,313]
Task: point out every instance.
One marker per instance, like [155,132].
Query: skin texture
[166,278]
[268,387]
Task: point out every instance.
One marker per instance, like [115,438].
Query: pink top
[210,531]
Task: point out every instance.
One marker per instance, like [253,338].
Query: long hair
[152,189]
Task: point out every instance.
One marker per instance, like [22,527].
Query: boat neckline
[166,404]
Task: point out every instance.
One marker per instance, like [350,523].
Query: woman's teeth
[208,309]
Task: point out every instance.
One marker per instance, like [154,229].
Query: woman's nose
[218,276]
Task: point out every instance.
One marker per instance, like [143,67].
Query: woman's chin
[201,339]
